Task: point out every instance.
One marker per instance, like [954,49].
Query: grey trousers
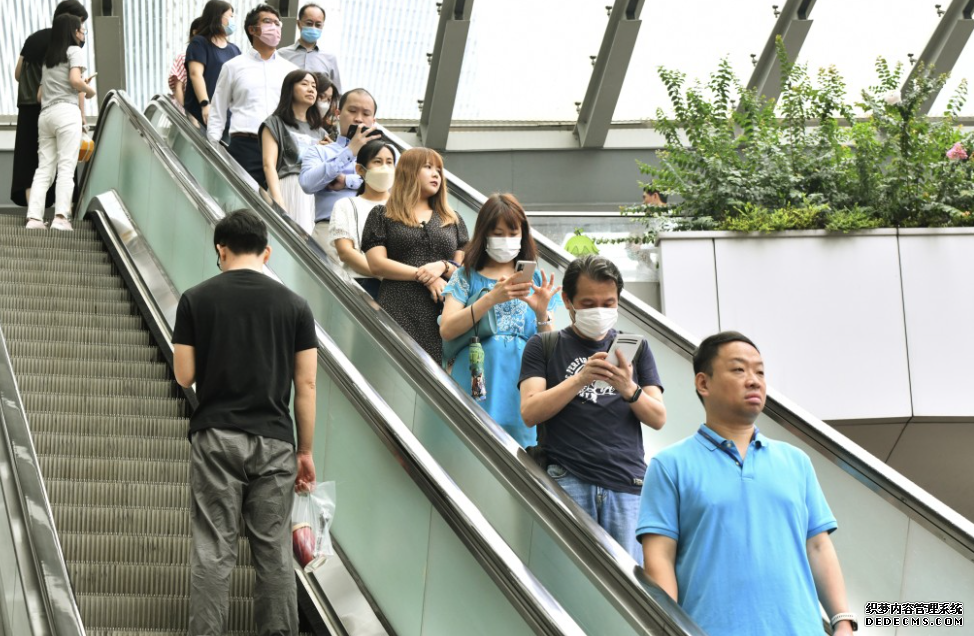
[231,474]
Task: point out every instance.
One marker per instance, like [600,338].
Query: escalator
[94,458]
[896,542]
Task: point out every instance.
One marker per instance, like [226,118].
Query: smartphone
[91,77]
[353,129]
[628,344]
[525,271]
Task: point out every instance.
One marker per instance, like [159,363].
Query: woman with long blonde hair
[414,243]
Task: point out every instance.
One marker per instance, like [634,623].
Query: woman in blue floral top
[486,282]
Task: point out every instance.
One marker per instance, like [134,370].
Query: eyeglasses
[311,23]
[272,21]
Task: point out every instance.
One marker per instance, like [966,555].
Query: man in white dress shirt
[305,52]
[250,89]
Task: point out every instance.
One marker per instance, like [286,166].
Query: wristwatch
[635,395]
[205,102]
[845,616]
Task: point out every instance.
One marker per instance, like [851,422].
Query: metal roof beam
[608,74]
[946,43]
[446,61]
[792,27]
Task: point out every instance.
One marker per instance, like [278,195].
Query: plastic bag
[311,518]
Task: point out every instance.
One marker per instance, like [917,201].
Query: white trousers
[59,141]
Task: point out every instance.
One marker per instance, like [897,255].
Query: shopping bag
[87,148]
[311,518]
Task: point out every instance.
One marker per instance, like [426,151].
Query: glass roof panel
[529,60]
[963,69]
[691,37]
[851,35]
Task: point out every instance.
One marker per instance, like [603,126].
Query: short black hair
[71,7]
[703,358]
[253,14]
[358,91]
[598,268]
[652,190]
[241,232]
[311,5]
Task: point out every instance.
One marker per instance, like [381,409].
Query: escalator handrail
[47,560]
[603,558]
[876,475]
[514,580]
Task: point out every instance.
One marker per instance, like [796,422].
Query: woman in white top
[376,164]
[62,95]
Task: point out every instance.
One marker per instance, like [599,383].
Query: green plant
[736,160]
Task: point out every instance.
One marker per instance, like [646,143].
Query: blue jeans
[617,512]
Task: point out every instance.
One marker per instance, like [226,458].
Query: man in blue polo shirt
[593,432]
[734,526]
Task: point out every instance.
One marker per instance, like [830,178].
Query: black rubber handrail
[517,583]
[637,598]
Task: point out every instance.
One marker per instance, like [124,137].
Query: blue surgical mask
[310,34]
[230,27]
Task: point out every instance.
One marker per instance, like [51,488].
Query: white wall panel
[828,317]
[688,284]
[936,271]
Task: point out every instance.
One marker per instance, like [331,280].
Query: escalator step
[81,227]
[121,520]
[54,255]
[148,580]
[61,318]
[76,351]
[94,404]
[13,237]
[73,305]
[86,385]
[84,469]
[31,263]
[110,493]
[77,335]
[138,549]
[48,277]
[100,295]
[134,612]
[99,424]
[112,448]
[93,369]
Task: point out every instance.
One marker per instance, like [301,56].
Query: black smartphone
[375,134]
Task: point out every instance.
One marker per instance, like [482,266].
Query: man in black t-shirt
[592,433]
[244,338]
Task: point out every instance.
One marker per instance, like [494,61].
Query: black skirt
[25,156]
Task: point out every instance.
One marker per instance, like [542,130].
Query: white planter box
[873,326]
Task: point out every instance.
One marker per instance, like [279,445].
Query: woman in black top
[414,243]
[28,76]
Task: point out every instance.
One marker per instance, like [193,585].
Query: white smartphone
[525,271]
[91,77]
[628,344]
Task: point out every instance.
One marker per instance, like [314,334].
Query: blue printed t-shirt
[212,58]
[596,437]
[741,562]
[516,323]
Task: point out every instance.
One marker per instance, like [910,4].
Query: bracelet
[635,395]
[454,263]
[446,267]
[845,616]
[544,323]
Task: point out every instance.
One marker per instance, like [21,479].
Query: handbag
[87,148]
[485,328]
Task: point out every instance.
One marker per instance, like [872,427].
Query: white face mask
[324,108]
[503,249]
[380,179]
[595,322]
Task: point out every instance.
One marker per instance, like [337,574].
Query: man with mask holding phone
[592,433]
[328,172]
[305,52]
